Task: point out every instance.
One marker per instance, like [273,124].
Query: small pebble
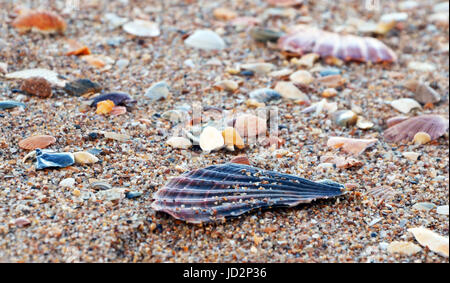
[179,142]
[67,183]
[421,138]
[158,91]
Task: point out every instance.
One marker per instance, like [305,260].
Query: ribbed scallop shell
[434,125]
[302,40]
[229,190]
[36,142]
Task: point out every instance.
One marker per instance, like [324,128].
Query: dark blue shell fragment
[118,98]
[46,159]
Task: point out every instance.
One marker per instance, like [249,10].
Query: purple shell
[434,125]
[229,190]
[304,40]
[118,98]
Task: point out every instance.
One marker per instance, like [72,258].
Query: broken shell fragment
[116,136]
[290,91]
[232,138]
[40,21]
[421,138]
[211,139]
[224,14]
[349,145]
[77,49]
[118,110]
[142,28]
[82,87]
[85,158]
[98,61]
[318,107]
[101,186]
[179,142]
[241,159]
[249,125]
[222,191]
[432,240]
[285,3]
[405,105]
[341,162]
[423,92]
[301,77]
[405,248]
[35,142]
[302,40]
[258,68]
[227,85]
[37,86]
[433,125]
[364,124]
[46,159]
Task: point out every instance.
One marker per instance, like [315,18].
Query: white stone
[67,183]
[442,209]
[413,156]
[179,142]
[301,77]
[421,66]
[158,91]
[258,68]
[394,17]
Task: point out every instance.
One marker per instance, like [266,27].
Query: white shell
[405,105]
[49,75]
[206,40]
[211,139]
[290,91]
[142,28]
[432,240]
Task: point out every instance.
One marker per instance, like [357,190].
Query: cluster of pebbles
[112,100]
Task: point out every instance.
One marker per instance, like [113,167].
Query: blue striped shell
[229,190]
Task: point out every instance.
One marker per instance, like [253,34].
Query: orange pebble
[105,107]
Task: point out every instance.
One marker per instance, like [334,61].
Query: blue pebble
[45,159]
[9,104]
[330,72]
[131,195]
[95,151]
[265,95]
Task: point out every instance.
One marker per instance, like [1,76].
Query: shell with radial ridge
[433,125]
[228,190]
[303,39]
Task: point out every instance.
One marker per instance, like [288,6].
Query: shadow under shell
[218,192]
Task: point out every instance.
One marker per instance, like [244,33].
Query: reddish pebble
[22,222]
